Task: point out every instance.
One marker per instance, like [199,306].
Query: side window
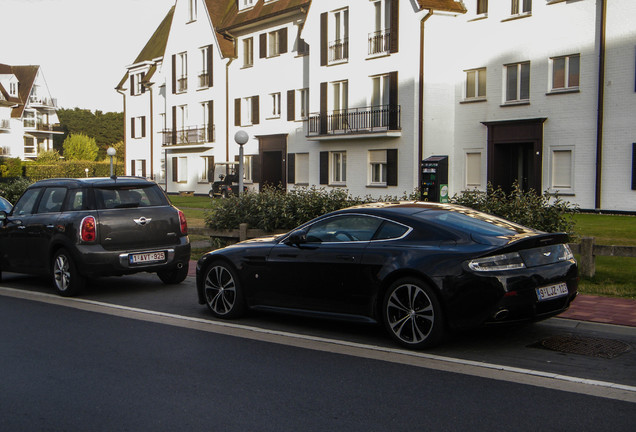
[52,200]
[344,228]
[77,200]
[25,204]
[390,230]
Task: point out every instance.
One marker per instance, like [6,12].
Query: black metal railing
[338,50]
[380,42]
[189,135]
[204,80]
[373,119]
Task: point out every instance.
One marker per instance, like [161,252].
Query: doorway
[273,149]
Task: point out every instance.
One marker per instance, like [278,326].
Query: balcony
[380,42]
[379,120]
[182,84]
[43,102]
[339,50]
[204,80]
[190,136]
[5,125]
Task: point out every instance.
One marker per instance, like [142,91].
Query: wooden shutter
[143,168]
[394,123]
[174,125]
[211,137]
[391,167]
[210,74]
[262,45]
[282,40]
[323,108]
[633,166]
[132,127]
[141,82]
[291,106]
[132,85]
[255,110]
[256,169]
[291,168]
[132,167]
[395,26]
[237,112]
[175,167]
[174,73]
[324,41]
[143,126]
[324,167]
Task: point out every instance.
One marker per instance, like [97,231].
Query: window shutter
[395,26]
[633,166]
[393,102]
[291,106]
[174,73]
[132,85]
[141,82]
[132,127]
[291,168]
[324,41]
[132,167]
[211,121]
[237,112]
[324,167]
[143,168]
[210,74]
[175,167]
[174,125]
[323,108]
[282,40]
[262,46]
[143,126]
[256,169]
[391,167]
[255,110]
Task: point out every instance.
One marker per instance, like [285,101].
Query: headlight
[509,261]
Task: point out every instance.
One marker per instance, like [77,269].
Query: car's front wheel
[66,278]
[412,314]
[222,289]
[174,276]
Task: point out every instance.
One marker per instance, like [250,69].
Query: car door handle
[346,257]
[287,255]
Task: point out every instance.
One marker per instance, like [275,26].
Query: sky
[82,46]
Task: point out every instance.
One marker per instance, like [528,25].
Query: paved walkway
[608,310]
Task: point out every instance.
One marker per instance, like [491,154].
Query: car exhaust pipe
[501,314]
[179,266]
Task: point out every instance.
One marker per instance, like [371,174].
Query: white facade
[508,90]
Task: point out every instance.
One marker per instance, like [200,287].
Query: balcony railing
[182,84]
[204,80]
[189,136]
[338,50]
[5,124]
[29,123]
[49,102]
[373,119]
[380,42]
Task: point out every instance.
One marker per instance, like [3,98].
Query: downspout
[227,109]
[420,126]
[152,134]
[123,94]
[600,104]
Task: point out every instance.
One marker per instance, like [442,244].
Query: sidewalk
[607,310]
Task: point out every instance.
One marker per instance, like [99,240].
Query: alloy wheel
[410,314]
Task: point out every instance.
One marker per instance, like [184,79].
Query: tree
[48,157]
[80,147]
[106,128]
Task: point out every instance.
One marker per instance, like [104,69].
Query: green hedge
[71,169]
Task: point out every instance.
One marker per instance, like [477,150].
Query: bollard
[587,265]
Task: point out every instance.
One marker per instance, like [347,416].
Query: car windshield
[127,197]
[473,222]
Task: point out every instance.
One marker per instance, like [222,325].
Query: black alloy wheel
[222,289]
[66,278]
[412,314]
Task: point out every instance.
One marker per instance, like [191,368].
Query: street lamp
[86,171]
[241,137]
[111,152]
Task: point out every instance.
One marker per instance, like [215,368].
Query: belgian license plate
[552,291]
[147,257]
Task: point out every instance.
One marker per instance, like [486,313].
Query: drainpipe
[420,126]
[601,98]
[227,109]
[123,94]
[152,134]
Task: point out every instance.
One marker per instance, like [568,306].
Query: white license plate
[552,291]
[147,258]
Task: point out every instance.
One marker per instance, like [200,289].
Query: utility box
[434,186]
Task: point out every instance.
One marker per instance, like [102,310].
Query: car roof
[94,181]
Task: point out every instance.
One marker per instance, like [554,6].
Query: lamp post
[86,171]
[111,152]
[241,138]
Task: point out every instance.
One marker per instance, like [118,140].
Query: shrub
[12,190]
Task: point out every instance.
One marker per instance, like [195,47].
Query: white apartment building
[356,94]
[27,112]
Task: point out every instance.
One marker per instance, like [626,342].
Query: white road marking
[396,355]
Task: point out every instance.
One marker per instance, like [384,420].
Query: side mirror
[296,237]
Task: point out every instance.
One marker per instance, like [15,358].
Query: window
[138,167]
[475,84]
[29,146]
[562,169]
[380,37]
[482,7]
[182,72]
[275,105]
[380,91]
[136,87]
[473,170]
[343,229]
[273,44]
[517,82]
[206,167]
[248,52]
[246,111]
[301,169]
[25,204]
[192,10]
[273,39]
[207,120]
[303,103]
[338,168]
[245,4]
[519,7]
[13,89]
[138,127]
[565,72]
[52,200]
[377,167]
[339,36]
[180,169]
[205,76]
[248,168]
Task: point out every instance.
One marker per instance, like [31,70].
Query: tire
[412,314]
[224,194]
[66,278]
[222,291]
[174,276]
[211,193]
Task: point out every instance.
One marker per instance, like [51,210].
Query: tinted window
[52,200]
[472,222]
[25,204]
[127,197]
[78,200]
[390,230]
[343,229]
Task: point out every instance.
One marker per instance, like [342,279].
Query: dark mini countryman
[74,229]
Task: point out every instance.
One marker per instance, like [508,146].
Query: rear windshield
[473,222]
[128,197]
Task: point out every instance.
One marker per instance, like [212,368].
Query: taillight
[182,223]
[88,229]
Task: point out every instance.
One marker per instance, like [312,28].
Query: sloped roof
[260,10]
[26,77]
[443,5]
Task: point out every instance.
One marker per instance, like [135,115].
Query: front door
[514,164]
[273,150]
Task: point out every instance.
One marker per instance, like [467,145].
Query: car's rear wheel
[222,290]
[412,314]
[66,278]
[174,276]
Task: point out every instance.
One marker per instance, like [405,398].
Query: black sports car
[418,268]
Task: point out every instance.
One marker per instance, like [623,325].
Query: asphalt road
[133,354]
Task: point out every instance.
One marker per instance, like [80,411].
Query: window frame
[562,189]
[476,85]
[468,184]
[566,73]
[275,99]
[374,165]
[248,52]
[520,85]
[338,168]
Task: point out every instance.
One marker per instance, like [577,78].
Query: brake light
[88,229]
[183,223]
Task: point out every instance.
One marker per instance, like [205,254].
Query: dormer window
[245,4]
[13,89]
[136,87]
